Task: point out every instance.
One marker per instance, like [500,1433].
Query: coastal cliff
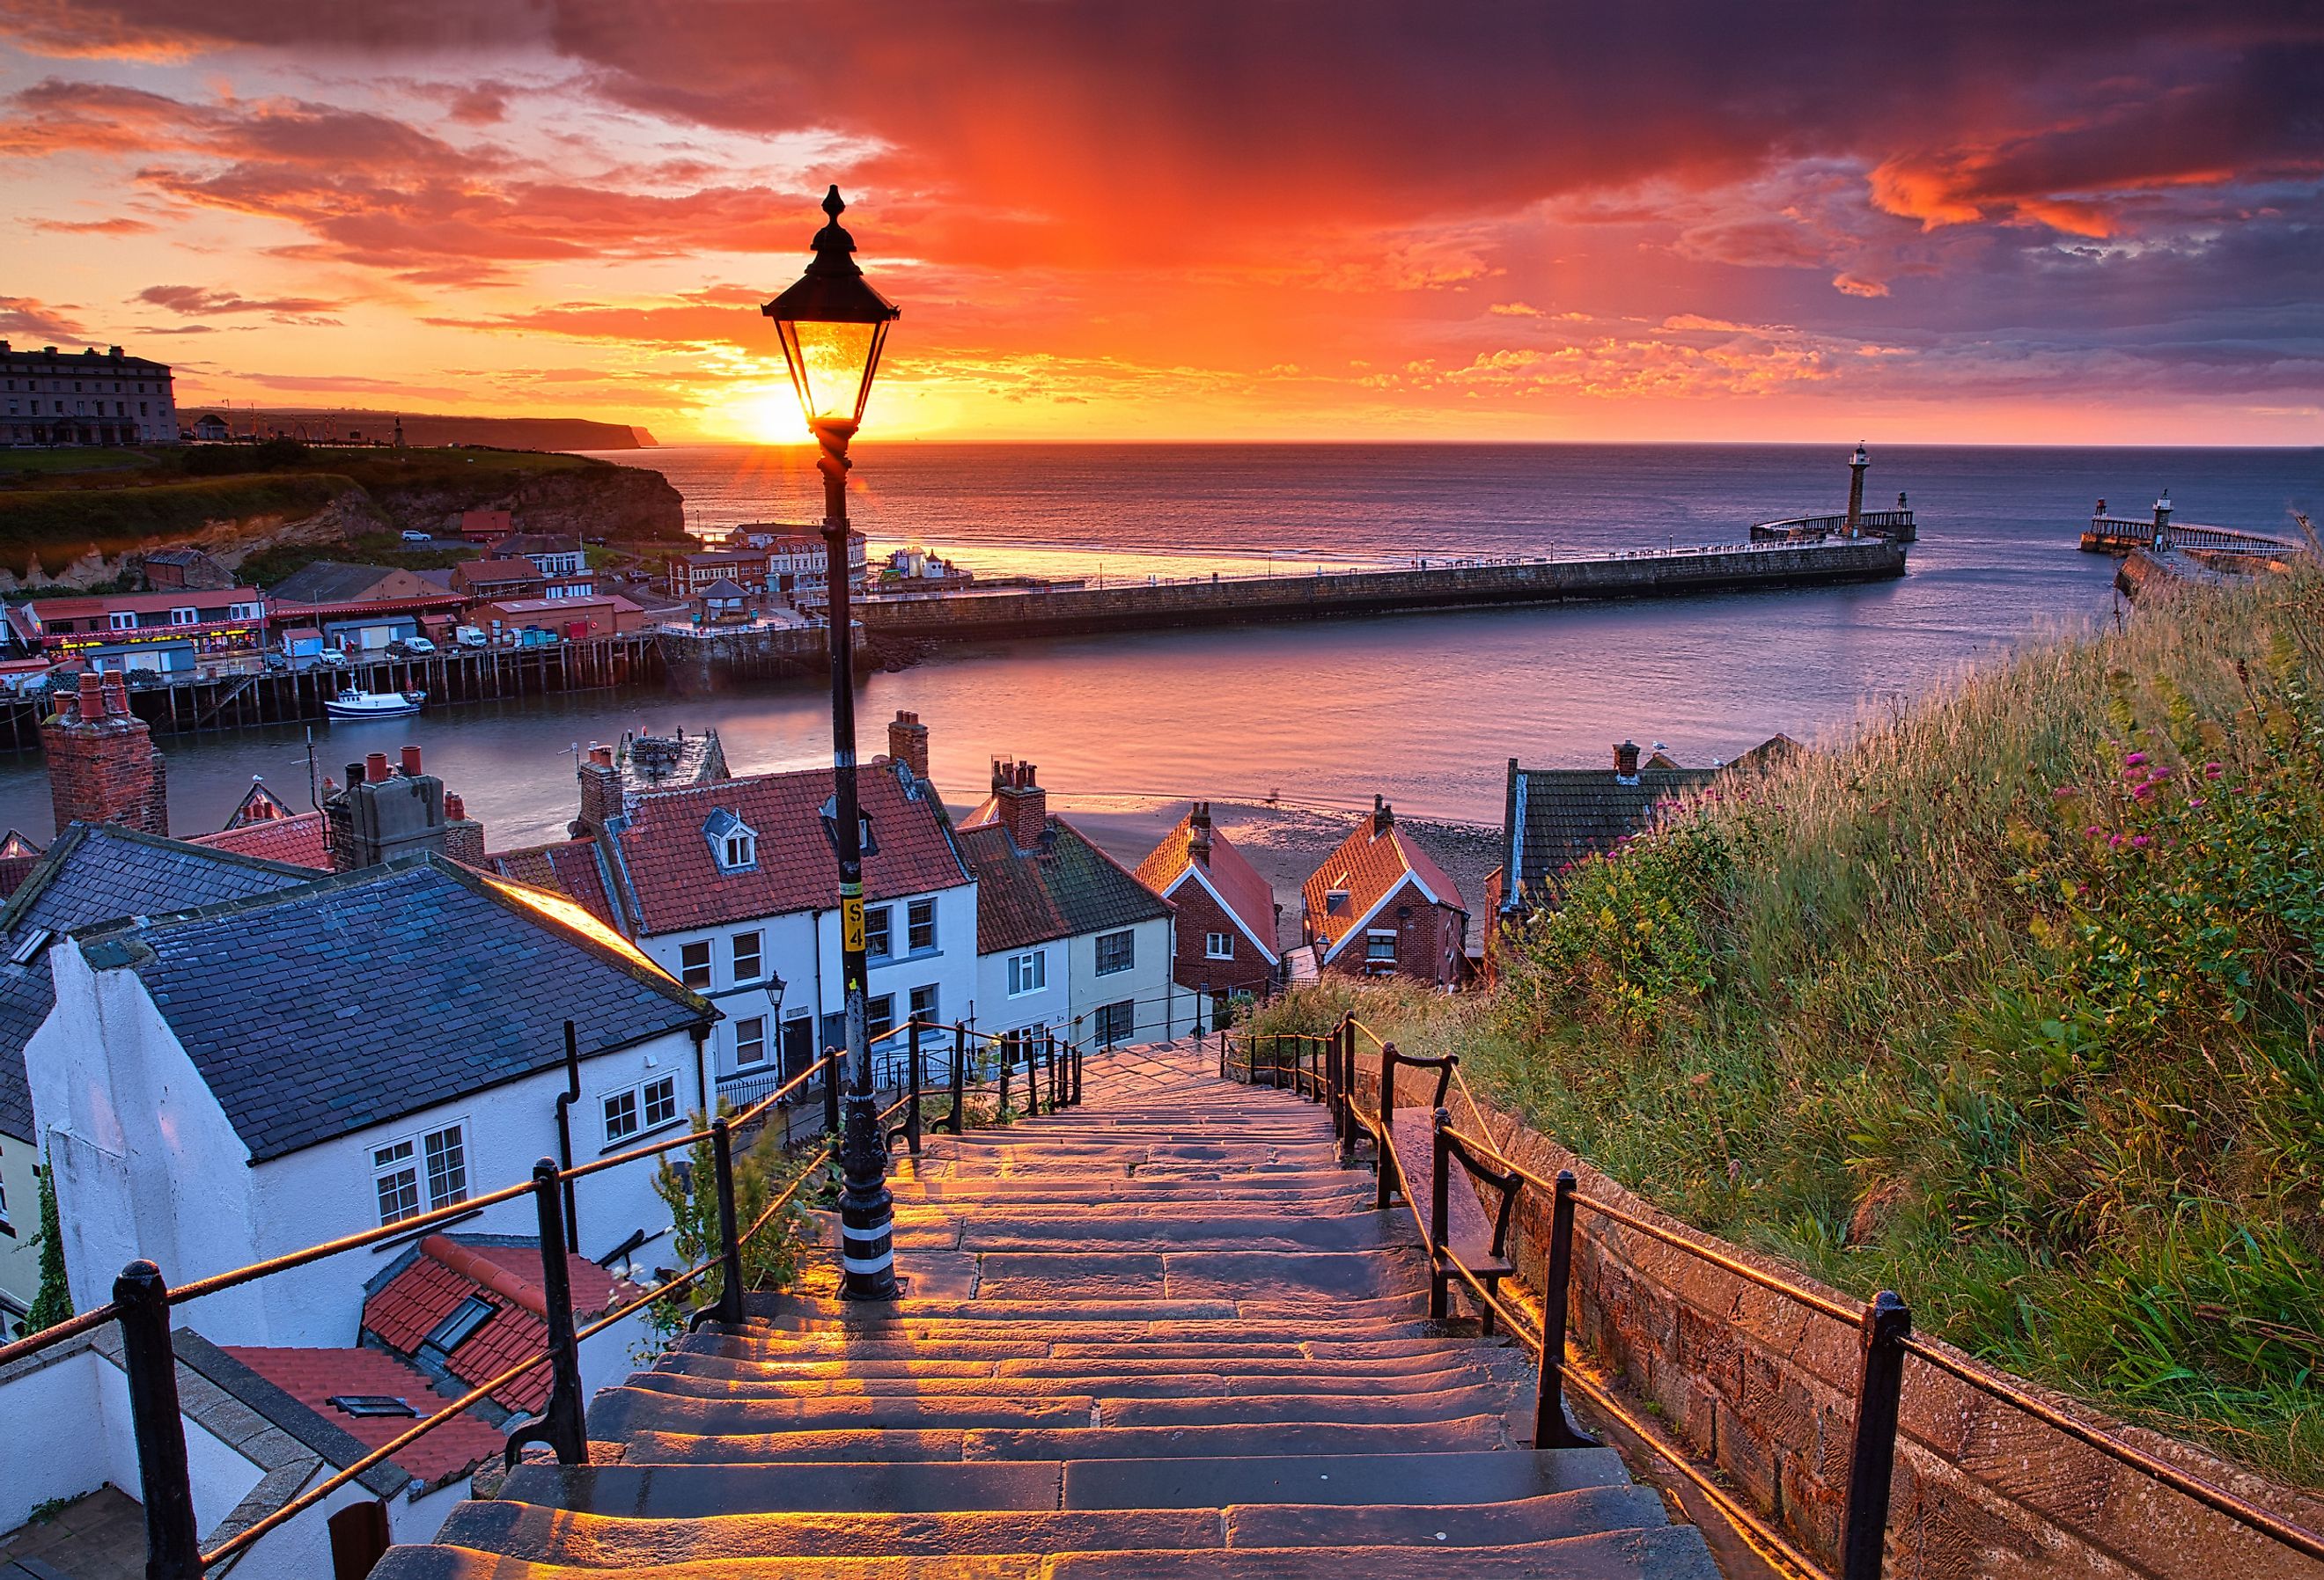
[86,529]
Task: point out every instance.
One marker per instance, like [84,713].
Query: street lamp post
[832,324]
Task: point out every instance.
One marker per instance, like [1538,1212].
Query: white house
[731,886]
[1068,940]
[240,1081]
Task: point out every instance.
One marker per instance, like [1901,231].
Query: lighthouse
[1856,465]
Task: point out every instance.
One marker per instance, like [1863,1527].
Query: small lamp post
[833,325]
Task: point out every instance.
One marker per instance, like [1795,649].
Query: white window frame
[185,616]
[1218,946]
[637,1103]
[744,1040]
[912,908]
[1130,960]
[122,620]
[880,924]
[1374,938]
[415,1158]
[1029,973]
[756,956]
[687,966]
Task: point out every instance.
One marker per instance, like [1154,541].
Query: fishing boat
[353,704]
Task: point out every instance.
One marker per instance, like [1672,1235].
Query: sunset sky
[1226,219]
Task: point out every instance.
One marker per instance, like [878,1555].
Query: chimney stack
[464,836]
[1198,834]
[1383,816]
[1626,762]
[103,766]
[1024,804]
[907,742]
[600,793]
[381,815]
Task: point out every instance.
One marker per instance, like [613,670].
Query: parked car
[332,656]
[412,537]
[276,663]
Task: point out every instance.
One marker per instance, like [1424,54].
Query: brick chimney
[1626,762]
[907,742]
[1024,804]
[1383,816]
[384,813]
[601,792]
[103,766]
[1198,834]
[464,836]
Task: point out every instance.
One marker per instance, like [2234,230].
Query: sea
[1424,709]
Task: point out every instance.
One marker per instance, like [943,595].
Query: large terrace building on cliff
[111,398]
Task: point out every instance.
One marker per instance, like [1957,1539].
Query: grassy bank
[2010,1004]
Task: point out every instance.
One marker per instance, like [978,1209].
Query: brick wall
[1427,940]
[103,766]
[1199,914]
[1765,1389]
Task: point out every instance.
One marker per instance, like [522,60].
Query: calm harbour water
[1424,708]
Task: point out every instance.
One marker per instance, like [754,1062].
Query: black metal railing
[1051,1075]
[1324,1067]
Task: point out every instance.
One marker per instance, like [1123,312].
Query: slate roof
[95,872]
[1553,818]
[426,1284]
[331,581]
[667,880]
[359,998]
[1062,889]
[1371,865]
[570,867]
[1247,895]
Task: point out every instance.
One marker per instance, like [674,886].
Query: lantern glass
[832,365]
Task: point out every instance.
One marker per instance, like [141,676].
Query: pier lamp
[832,325]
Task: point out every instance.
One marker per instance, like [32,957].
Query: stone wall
[1763,1388]
[1136,606]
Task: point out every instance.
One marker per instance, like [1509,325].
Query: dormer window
[733,843]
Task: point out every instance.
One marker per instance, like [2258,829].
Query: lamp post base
[867,1211]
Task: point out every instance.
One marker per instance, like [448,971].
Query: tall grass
[2010,1003]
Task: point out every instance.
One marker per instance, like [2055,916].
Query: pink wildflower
[2194,800]
[2133,760]
[2138,842]
[2212,771]
[2094,831]
[2065,792]
[2114,841]
[2144,792]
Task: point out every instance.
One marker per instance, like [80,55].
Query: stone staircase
[1161,1335]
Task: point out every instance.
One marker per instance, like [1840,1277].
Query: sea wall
[1149,605]
[1763,1388]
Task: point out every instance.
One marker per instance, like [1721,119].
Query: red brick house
[1379,906]
[1227,912]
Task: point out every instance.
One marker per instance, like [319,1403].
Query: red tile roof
[1371,865]
[301,841]
[314,1376]
[568,867]
[1247,896]
[671,882]
[447,1271]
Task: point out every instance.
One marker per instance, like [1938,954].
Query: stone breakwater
[1067,610]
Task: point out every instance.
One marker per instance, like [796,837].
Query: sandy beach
[1284,843]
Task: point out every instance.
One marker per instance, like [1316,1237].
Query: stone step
[938,1338]
[1285,1275]
[536,1534]
[641,1492]
[1176,1230]
[1236,1304]
[1664,1554]
[1449,1437]
[711,1376]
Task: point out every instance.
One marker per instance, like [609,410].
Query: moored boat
[353,704]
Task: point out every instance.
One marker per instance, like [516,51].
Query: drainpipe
[564,1101]
[700,1032]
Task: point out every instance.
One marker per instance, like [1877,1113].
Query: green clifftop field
[59,508]
[2010,1004]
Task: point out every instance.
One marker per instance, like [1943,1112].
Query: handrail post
[831,1091]
[1057,1081]
[912,1110]
[173,1548]
[1385,1170]
[1008,1051]
[729,1244]
[1440,1250]
[1550,1429]
[1347,1114]
[560,1426]
[1872,1452]
[954,1120]
[1077,1074]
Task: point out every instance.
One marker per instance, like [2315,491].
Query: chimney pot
[1626,760]
[602,756]
[411,760]
[454,808]
[375,767]
[355,773]
[92,696]
[116,696]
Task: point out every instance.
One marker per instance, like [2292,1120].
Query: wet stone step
[663,1448]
